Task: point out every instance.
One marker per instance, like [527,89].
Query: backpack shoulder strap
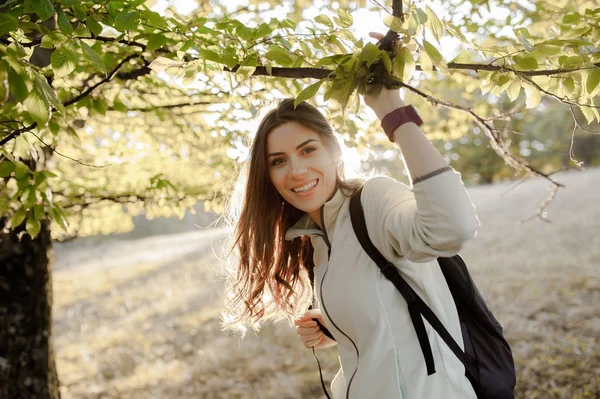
[389,270]
[417,308]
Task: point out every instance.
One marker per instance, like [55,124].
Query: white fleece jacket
[379,353]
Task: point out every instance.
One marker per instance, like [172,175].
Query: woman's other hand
[309,331]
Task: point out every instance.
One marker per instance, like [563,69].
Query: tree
[96,125]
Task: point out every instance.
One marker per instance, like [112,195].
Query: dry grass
[140,319]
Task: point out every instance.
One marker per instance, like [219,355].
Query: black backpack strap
[416,306]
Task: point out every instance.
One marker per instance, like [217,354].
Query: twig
[577,124]
[16,133]
[99,38]
[541,212]
[103,81]
[564,100]
[68,157]
[515,186]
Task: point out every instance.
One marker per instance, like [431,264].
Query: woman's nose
[298,170]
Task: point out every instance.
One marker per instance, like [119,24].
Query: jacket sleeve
[433,219]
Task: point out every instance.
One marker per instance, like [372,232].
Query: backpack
[487,357]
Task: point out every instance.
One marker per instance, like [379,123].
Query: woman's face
[301,167]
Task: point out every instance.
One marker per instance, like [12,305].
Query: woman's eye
[308,150]
[276,162]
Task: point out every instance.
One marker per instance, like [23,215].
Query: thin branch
[541,212]
[564,100]
[108,77]
[168,106]
[99,38]
[16,133]
[66,156]
[323,73]
[502,116]
[577,124]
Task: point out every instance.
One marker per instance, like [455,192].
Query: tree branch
[66,156]
[16,133]
[131,75]
[324,73]
[168,106]
[564,100]
[104,39]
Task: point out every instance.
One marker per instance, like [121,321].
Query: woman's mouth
[307,189]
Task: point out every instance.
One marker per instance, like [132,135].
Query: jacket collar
[329,211]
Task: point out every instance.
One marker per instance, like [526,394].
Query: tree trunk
[27,363]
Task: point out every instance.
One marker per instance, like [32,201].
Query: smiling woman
[294,167]
[293,231]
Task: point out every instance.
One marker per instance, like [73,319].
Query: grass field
[140,318]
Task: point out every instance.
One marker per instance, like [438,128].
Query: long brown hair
[267,277]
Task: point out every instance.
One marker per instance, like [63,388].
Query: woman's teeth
[305,188]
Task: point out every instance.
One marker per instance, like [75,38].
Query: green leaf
[125,20]
[38,211]
[422,15]
[592,80]
[93,26]
[37,108]
[523,35]
[33,225]
[514,89]
[18,217]
[63,22]
[590,113]
[425,61]
[404,64]
[262,31]
[156,40]
[571,18]
[288,24]
[17,85]
[394,23]
[435,25]
[53,39]
[63,61]
[210,55]
[307,93]
[280,56]
[6,168]
[48,92]
[387,62]
[100,105]
[8,23]
[21,170]
[344,19]
[4,206]
[433,53]
[119,106]
[28,198]
[43,8]
[533,96]
[570,61]
[526,63]
[154,18]
[324,19]
[93,56]
[369,54]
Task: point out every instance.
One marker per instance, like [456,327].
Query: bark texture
[27,362]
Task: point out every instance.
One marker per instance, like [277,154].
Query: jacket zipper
[326,239]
